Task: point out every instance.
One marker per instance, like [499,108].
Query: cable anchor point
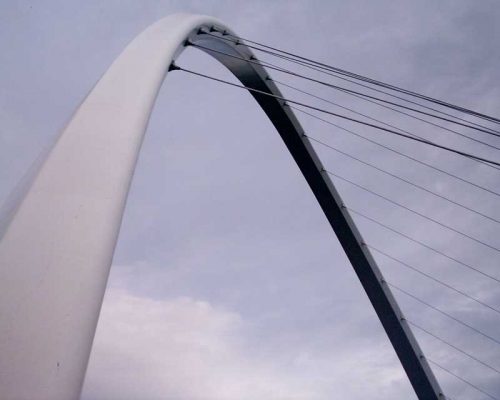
[173,67]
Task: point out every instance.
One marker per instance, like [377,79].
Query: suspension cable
[237,40]
[333,174]
[391,149]
[442,283]
[449,316]
[352,183]
[343,107]
[337,76]
[379,103]
[350,91]
[401,179]
[397,111]
[468,266]
[460,378]
[419,327]
[472,156]
[361,97]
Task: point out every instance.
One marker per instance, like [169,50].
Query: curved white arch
[56,251]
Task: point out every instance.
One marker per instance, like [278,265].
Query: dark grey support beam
[253,76]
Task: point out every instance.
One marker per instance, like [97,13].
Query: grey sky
[227,281]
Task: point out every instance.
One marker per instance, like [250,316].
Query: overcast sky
[227,281]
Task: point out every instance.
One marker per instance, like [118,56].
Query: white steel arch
[58,242]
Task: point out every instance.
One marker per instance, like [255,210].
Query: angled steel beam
[58,239]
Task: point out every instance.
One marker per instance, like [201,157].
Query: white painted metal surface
[56,251]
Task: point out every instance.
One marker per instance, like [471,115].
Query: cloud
[187,348]
[179,348]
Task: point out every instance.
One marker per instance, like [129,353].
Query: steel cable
[442,283]
[237,40]
[488,129]
[402,179]
[449,316]
[353,92]
[452,345]
[461,379]
[391,149]
[412,211]
[468,266]
[472,156]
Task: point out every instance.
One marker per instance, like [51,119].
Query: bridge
[70,213]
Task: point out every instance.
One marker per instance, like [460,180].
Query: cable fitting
[173,67]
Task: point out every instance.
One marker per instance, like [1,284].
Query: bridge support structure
[58,239]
